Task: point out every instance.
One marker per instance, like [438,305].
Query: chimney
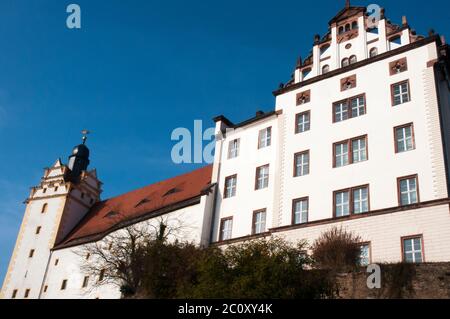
[299,62]
[317,39]
[404,21]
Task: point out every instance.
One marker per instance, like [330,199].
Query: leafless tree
[119,258]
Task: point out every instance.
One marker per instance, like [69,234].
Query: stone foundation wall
[418,281]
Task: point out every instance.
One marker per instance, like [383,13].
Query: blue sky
[136,71]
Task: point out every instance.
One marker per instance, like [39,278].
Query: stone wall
[418,281]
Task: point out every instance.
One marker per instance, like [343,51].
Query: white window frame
[341,151]
[359,154]
[364,256]
[259,222]
[265,137]
[360,200]
[403,96]
[402,141]
[359,107]
[230,189]
[303,122]
[301,209]
[262,177]
[340,110]
[343,208]
[233,148]
[413,250]
[409,191]
[226,230]
[301,162]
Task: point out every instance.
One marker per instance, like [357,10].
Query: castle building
[359,138]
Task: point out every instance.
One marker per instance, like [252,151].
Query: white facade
[253,176]
[372,76]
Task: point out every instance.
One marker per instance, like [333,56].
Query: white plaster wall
[188,221]
[247,199]
[384,232]
[24,272]
[384,166]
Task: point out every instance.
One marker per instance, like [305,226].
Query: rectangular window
[358,106]
[341,154]
[85,282]
[259,222]
[400,93]
[64,284]
[265,137]
[27,293]
[342,207]
[14,294]
[349,108]
[300,211]
[31,254]
[408,190]
[230,186]
[360,200]
[262,177]
[404,138]
[38,230]
[233,148]
[351,201]
[301,164]
[226,227]
[364,257]
[56,262]
[45,288]
[413,249]
[340,111]
[302,122]
[359,150]
[350,151]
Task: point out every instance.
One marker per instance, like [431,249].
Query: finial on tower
[347,3]
[85,134]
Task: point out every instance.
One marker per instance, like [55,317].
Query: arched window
[341,29]
[344,62]
[325,69]
[44,208]
[373,52]
[354,25]
[353,59]
[347,27]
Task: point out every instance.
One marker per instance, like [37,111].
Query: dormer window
[325,69]
[345,62]
[353,59]
[324,48]
[373,30]
[306,72]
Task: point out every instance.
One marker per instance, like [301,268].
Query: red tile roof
[153,200]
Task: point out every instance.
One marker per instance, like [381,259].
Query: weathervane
[85,134]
